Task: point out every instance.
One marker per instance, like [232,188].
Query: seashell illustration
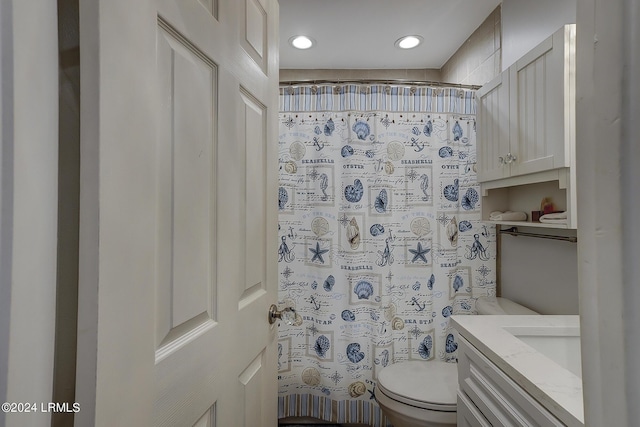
[353,233]
[388,168]
[325,391]
[390,312]
[470,199]
[357,389]
[319,226]
[428,128]
[328,283]
[283,198]
[424,349]
[397,324]
[452,232]
[457,283]
[431,281]
[381,201]
[353,352]
[322,346]
[376,230]
[447,311]
[457,131]
[348,316]
[450,344]
[384,358]
[374,315]
[290,167]
[317,130]
[297,150]
[445,152]
[424,186]
[361,129]
[416,286]
[464,226]
[370,154]
[415,131]
[462,155]
[329,127]
[314,285]
[395,150]
[420,226]
[347,151]
[363,289]
[450,191]
[311,376]
[353,193]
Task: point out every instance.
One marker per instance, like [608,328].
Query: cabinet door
[468,414]
[493,129]
[541,105]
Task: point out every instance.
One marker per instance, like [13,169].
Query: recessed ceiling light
[408,42]
[301,42]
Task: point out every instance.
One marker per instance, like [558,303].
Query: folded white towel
[556,218]
[507,216]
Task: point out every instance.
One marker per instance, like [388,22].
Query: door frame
[28,204]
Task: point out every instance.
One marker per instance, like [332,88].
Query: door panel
[253,120]
[186,173]
[254,28]
[182,235]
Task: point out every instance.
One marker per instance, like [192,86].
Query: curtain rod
[375,81]
[513,231]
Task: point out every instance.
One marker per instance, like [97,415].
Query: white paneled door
[178,227]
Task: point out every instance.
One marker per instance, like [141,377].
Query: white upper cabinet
[526,116]
[493,129]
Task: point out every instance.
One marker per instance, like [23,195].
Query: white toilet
[423,394]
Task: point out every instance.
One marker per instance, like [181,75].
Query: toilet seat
[426,385]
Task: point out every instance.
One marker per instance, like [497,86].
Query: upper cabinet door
[493,129]
[542,105]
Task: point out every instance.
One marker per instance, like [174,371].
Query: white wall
[539,273]
[525,23]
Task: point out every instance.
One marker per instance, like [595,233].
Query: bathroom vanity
[519,371]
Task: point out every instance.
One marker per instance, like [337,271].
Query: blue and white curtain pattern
[380,239]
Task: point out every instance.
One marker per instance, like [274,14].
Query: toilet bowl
[423,394]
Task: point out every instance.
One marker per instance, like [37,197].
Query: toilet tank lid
[424,384]
[497,305]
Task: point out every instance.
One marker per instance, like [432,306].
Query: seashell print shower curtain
[380,239]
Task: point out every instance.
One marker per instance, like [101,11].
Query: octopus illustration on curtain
[380,239]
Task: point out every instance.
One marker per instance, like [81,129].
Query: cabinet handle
[511,158]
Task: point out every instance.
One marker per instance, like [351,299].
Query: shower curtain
[380,239]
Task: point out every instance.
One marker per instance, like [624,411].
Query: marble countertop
[553,386]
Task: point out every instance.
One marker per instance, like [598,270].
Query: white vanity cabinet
[526,127]
[488,397]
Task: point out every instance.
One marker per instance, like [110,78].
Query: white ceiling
[353,34]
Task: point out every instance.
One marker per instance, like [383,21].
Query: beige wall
[479,59]
[341,75]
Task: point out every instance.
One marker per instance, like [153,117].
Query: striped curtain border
[335,411]
[390,98]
